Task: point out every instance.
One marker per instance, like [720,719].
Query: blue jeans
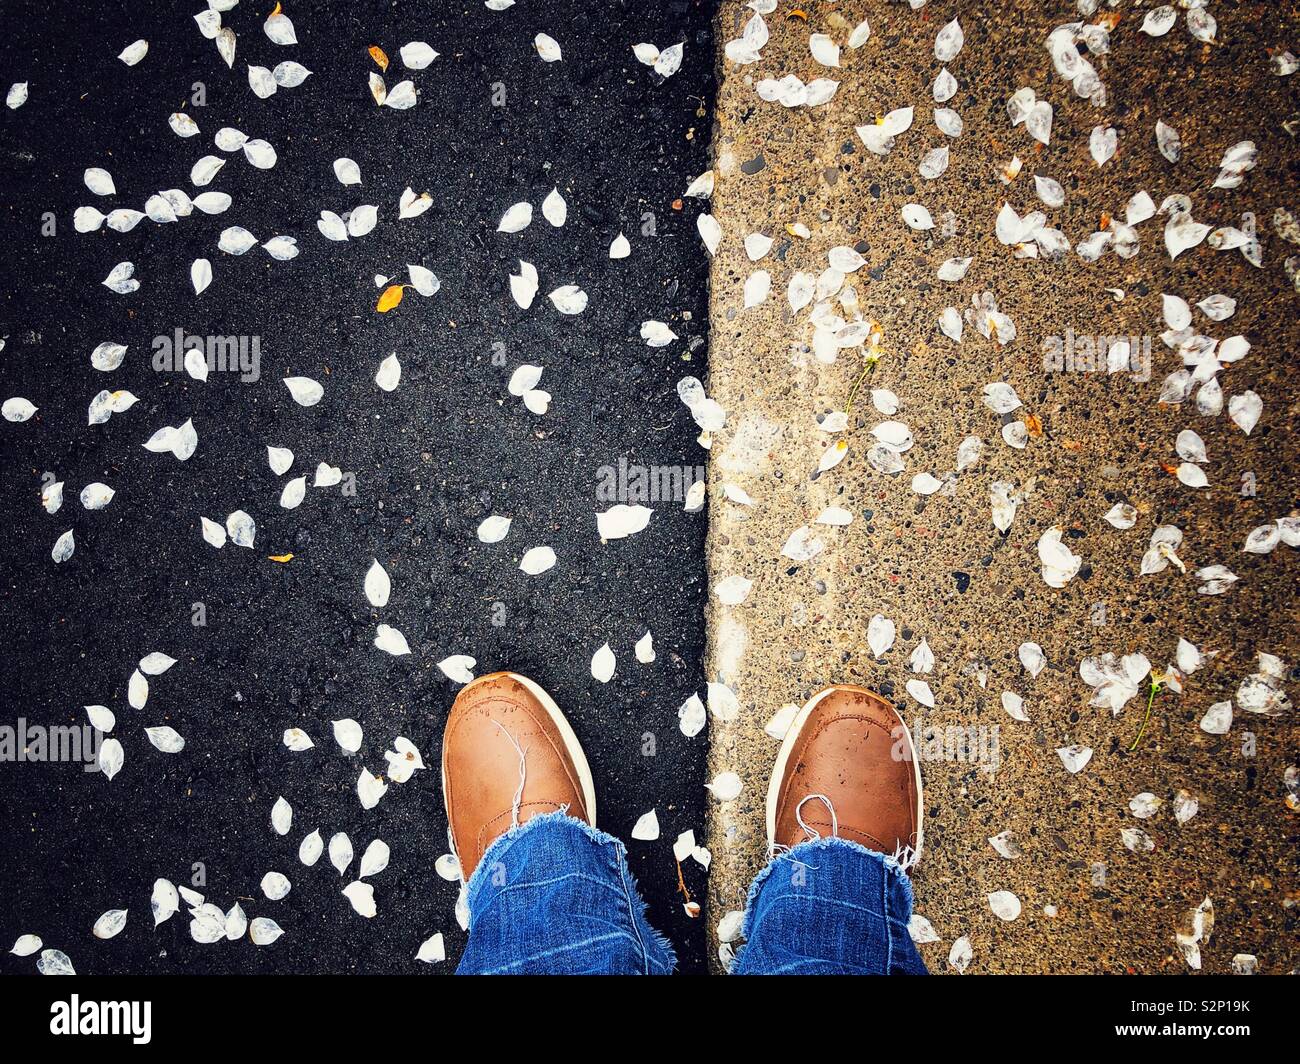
[555,897]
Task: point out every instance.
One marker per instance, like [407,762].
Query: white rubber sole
[571,745]
[787,748]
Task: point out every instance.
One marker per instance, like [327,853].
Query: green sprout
[869,361]
[1154,688]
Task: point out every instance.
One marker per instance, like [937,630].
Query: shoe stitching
[849,828]
[483,843]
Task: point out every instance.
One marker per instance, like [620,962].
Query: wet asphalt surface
[288,645]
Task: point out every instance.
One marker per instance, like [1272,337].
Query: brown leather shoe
[847,768]
[508,755]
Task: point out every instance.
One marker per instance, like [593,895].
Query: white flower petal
[537,560]
[458,668]
[305,391]
[602,664]
[391,641]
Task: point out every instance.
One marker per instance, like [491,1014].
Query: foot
[847,768]
[508,755]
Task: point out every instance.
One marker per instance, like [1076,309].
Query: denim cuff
[803,854]
[567,903]
[492,855]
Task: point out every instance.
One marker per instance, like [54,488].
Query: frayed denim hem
[502,842]
[797,855]
[493,853]
[658,938]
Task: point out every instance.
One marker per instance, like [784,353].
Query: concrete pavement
[934,564]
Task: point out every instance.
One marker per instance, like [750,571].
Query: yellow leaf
[277,11]
[381,60]
[280,557]
[389,298]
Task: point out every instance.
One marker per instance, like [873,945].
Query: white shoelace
[904,853]
[811,833]
[518,799]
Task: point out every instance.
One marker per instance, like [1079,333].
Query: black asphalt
[289,645]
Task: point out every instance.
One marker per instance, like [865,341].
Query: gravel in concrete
[935,565]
